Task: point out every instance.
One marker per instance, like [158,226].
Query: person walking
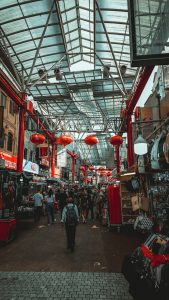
[50,207]
[38,199]
[61,197]
[70,217]
[83,205]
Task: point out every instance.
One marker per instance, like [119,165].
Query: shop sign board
[44,161]
[29,166]
[10,160]
[62,158]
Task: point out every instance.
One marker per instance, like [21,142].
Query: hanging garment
[114,204]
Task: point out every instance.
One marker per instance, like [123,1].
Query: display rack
[128,215]
[159,195]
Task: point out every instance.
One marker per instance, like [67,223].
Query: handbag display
[143,223]
[147,281]
[135,203]
[144,205]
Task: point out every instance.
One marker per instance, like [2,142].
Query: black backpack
[71,217]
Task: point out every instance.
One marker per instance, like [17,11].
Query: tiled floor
[63,285]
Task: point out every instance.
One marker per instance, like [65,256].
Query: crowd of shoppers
[75,203]
[90,202]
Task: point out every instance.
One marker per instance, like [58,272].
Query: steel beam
[138,89]
[9,88]
[40,42]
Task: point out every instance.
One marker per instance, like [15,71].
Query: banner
[29,166]
[10,160]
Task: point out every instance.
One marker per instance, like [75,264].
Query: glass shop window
[10,141]
[31,155]
[25,153]
[3,100]
[11,107]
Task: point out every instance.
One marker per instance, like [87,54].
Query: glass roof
[45,35]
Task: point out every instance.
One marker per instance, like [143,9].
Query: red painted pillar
[118,158]
[20,154]
[130,153]
[73,168]
[85,175]
[53,160]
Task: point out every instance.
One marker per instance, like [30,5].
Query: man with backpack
[70,217]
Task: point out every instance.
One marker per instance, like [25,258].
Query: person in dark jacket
[62,199]
[70,225]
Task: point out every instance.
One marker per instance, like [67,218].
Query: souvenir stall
[8,198]
[114,204]
[147,269]
[135,201]
[25,205]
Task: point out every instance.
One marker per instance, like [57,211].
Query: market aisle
[43,248]
[37,266]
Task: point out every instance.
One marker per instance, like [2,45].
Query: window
[31,155]
[10,141]
[25,153]
[3,100]
[11,107]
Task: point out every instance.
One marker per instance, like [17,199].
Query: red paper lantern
[58,141]
[101,169]
[91,168]
[37,138]
[91,140]
[116,140]
[66,140]
[109,174]
[82,168]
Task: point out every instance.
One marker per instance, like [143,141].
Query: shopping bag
[143,223]
[135,203]
[144,203]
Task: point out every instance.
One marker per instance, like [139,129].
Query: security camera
[41,73]
[58,74]
[123,69]
[106,71]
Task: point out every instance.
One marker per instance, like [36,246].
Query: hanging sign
[29,166]
[10,160]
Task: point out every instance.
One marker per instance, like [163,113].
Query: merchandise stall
[114,204]
[28,187]
[8,199]
[135,201]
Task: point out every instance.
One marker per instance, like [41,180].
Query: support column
[118,159]
[53,160]
[21,134]
[73,168]
[85,175]
[130,153]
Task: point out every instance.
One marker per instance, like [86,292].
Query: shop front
[8,193]
[7,160]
